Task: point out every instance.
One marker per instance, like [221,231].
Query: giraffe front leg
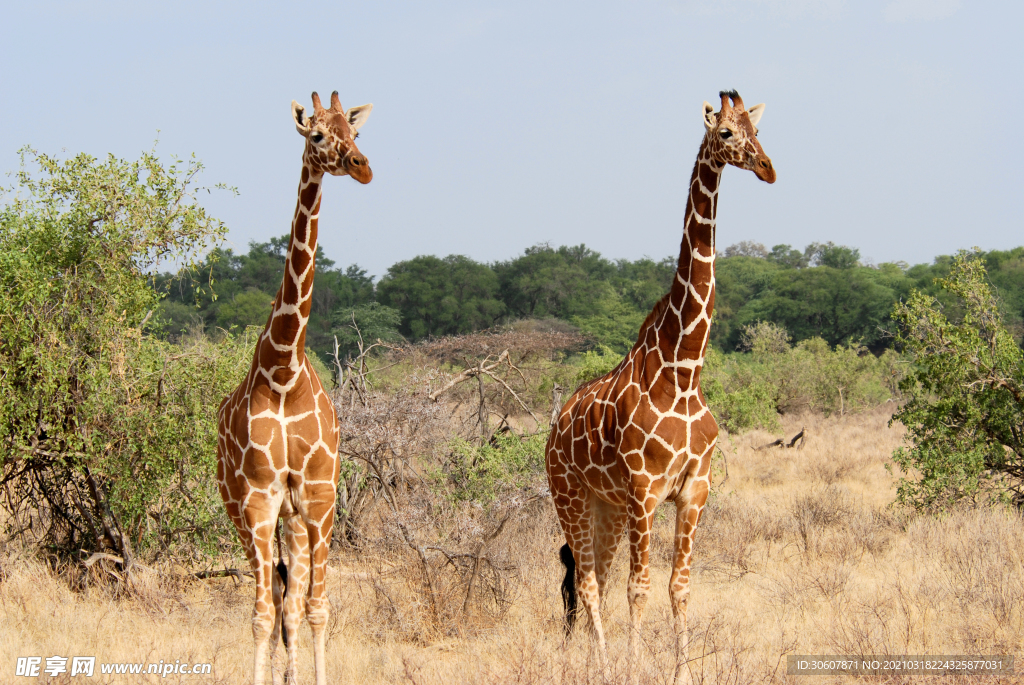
[639,588]
[689,506]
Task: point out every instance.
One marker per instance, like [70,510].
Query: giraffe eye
[725,133]
[317,137]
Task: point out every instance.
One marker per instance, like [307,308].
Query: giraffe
[277,448]
[642,434]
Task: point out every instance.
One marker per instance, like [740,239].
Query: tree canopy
[823,291]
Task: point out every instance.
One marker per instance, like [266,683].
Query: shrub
[965,411]
[594,364]
[102,426]
[481,474]
[749,390]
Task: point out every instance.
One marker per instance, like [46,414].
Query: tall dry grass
[797,554]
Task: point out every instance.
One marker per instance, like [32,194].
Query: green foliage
[90,406]
[373,321]
[839,305]
[833,256]
[615,323]
[965,412]
[594,364]
[788,258]
[250,307]
[481,474]
[823,292]
[442,296]
[738,401]
[749,406]
[243,286]
[750,390]
[607,301]
[152,435]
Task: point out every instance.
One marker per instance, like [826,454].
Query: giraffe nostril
[765,163]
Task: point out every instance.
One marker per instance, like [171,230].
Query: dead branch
[102,556]
[423,560]
[486,367]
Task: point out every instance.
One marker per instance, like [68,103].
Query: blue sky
[497,126]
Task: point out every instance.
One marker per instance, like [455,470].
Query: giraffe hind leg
[297,573]
[577,520]
[610,522]
[258,539]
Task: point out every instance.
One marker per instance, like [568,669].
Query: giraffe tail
[568,587]
[282,570]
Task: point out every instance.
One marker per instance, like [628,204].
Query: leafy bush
[749,390]
[965,412]
[481,474]
[101,425]
[594,364]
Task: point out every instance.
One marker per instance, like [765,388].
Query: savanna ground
[798,553]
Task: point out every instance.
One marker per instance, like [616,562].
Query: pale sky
[497,126]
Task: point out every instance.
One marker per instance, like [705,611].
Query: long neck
[693,289]
[282,347]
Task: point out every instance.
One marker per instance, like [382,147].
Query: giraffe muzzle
[358,167]
[764,170]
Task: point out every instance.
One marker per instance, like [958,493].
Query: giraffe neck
[693,289]
[283,344]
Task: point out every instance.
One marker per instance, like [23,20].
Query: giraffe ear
[302,122]
[357,116]
[710,120]
[755,113]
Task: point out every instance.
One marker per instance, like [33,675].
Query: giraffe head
[732,136]
[331,138]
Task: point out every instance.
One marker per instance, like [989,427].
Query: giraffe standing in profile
[277,449]
[642,434]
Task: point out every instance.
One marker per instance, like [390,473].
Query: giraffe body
[277,448]
[642,434]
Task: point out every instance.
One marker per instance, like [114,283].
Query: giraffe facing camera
[642,434]
[277,446]
[330,138]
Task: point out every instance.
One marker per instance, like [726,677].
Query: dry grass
[797,554]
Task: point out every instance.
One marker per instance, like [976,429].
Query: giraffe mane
[658,310]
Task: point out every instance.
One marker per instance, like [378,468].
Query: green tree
[740,281]
[787,257]
[441,296]
[965,413]
[839,305]
[372,321]
[233,298]
[102,424]
[546,281]
[248,308]
[832,255]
